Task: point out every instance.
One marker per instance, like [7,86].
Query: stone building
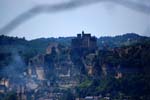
[84,42]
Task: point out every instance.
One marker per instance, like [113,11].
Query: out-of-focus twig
[67,6]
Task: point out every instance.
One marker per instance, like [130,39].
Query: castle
[84,42]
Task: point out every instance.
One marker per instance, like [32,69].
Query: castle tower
[84,41]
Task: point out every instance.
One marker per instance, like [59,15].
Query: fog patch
[14,71]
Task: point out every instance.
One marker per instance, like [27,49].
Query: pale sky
[100,19]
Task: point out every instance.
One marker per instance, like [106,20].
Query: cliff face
[62,64]
[60,70]
[55,66]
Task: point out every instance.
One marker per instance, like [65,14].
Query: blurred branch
[67,6]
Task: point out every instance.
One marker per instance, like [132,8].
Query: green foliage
[102,86]
[10,96]
[134,84]
[85,84]
[68,95]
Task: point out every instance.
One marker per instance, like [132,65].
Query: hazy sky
[100,19]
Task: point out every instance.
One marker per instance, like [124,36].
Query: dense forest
[120,66]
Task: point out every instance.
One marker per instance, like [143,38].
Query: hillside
[118,69]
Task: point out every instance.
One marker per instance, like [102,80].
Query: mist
[14,71]
[70,5]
